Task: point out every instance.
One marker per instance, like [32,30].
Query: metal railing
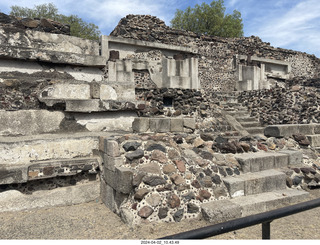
[262,218]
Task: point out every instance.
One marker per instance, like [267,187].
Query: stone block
[255,162]
[281,130]
[111,163]
[316,128]
[235,186]
[82,105]
[160,125]
[306,129]
[221,211]
[176,125]
[294,157]
[140,124]
[111,148]
[10,174]
[281,160]
[189,123]
[95,90]
[120,179]
[107,195]
[314,140]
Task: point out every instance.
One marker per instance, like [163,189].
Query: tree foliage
[209,19]
[78,27]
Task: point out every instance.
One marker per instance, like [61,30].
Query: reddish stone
[180,165]
[205,194]
[262,147]
[173,201]
[196,184]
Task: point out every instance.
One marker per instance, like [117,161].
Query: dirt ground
[94,221]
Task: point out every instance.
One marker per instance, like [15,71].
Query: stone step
[255,130]
[259,161]
[238,113]
[255,183]
[246,119]
[225,210]
[250,124]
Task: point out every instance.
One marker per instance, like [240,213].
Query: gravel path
[94,221]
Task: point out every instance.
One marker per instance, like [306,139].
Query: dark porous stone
[138,178]
[163,212]
[135,155]
[178,139]
[221,140]
[196,184]
[222,172]
[145,212]
[229,171]
[206,137]
[177,216]
[154,180]
[189,196]
[206,155]
[157,147]
[297,170]
[216,179]
[297,180]
[236,171]
[305,170]
[215,168]
[207,171]
[131,146]
[192,208]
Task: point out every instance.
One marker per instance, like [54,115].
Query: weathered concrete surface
[28,122]
[13,174]
[314,140]
[23,150]
[107,121]
[13,200]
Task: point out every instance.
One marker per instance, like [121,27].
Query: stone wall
[291,105]
[36,24]
[217,68]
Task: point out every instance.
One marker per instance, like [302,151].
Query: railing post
[266,230]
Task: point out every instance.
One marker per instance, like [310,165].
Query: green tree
[209,19]
[78,27]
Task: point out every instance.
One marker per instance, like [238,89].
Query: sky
[290,24]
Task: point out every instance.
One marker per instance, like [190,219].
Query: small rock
[145,212]
[159,156]
[206,137]
[219,191]
[173,201]
[177,179]
[154,180]
[163,212]
[154,199]
[140,194]
[169,168]
[205,194]
[173,154]
[177,216]
[198,142]
[297,180]
[196,184]
[207,182]
[289,182]
[216,179]
[156,147]
[189,196]
[180,165]
[137,154]
[192,208]
[131,146]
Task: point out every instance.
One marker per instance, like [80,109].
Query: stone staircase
[259,188]
[241,114]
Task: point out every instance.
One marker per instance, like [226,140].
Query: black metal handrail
[262,218]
